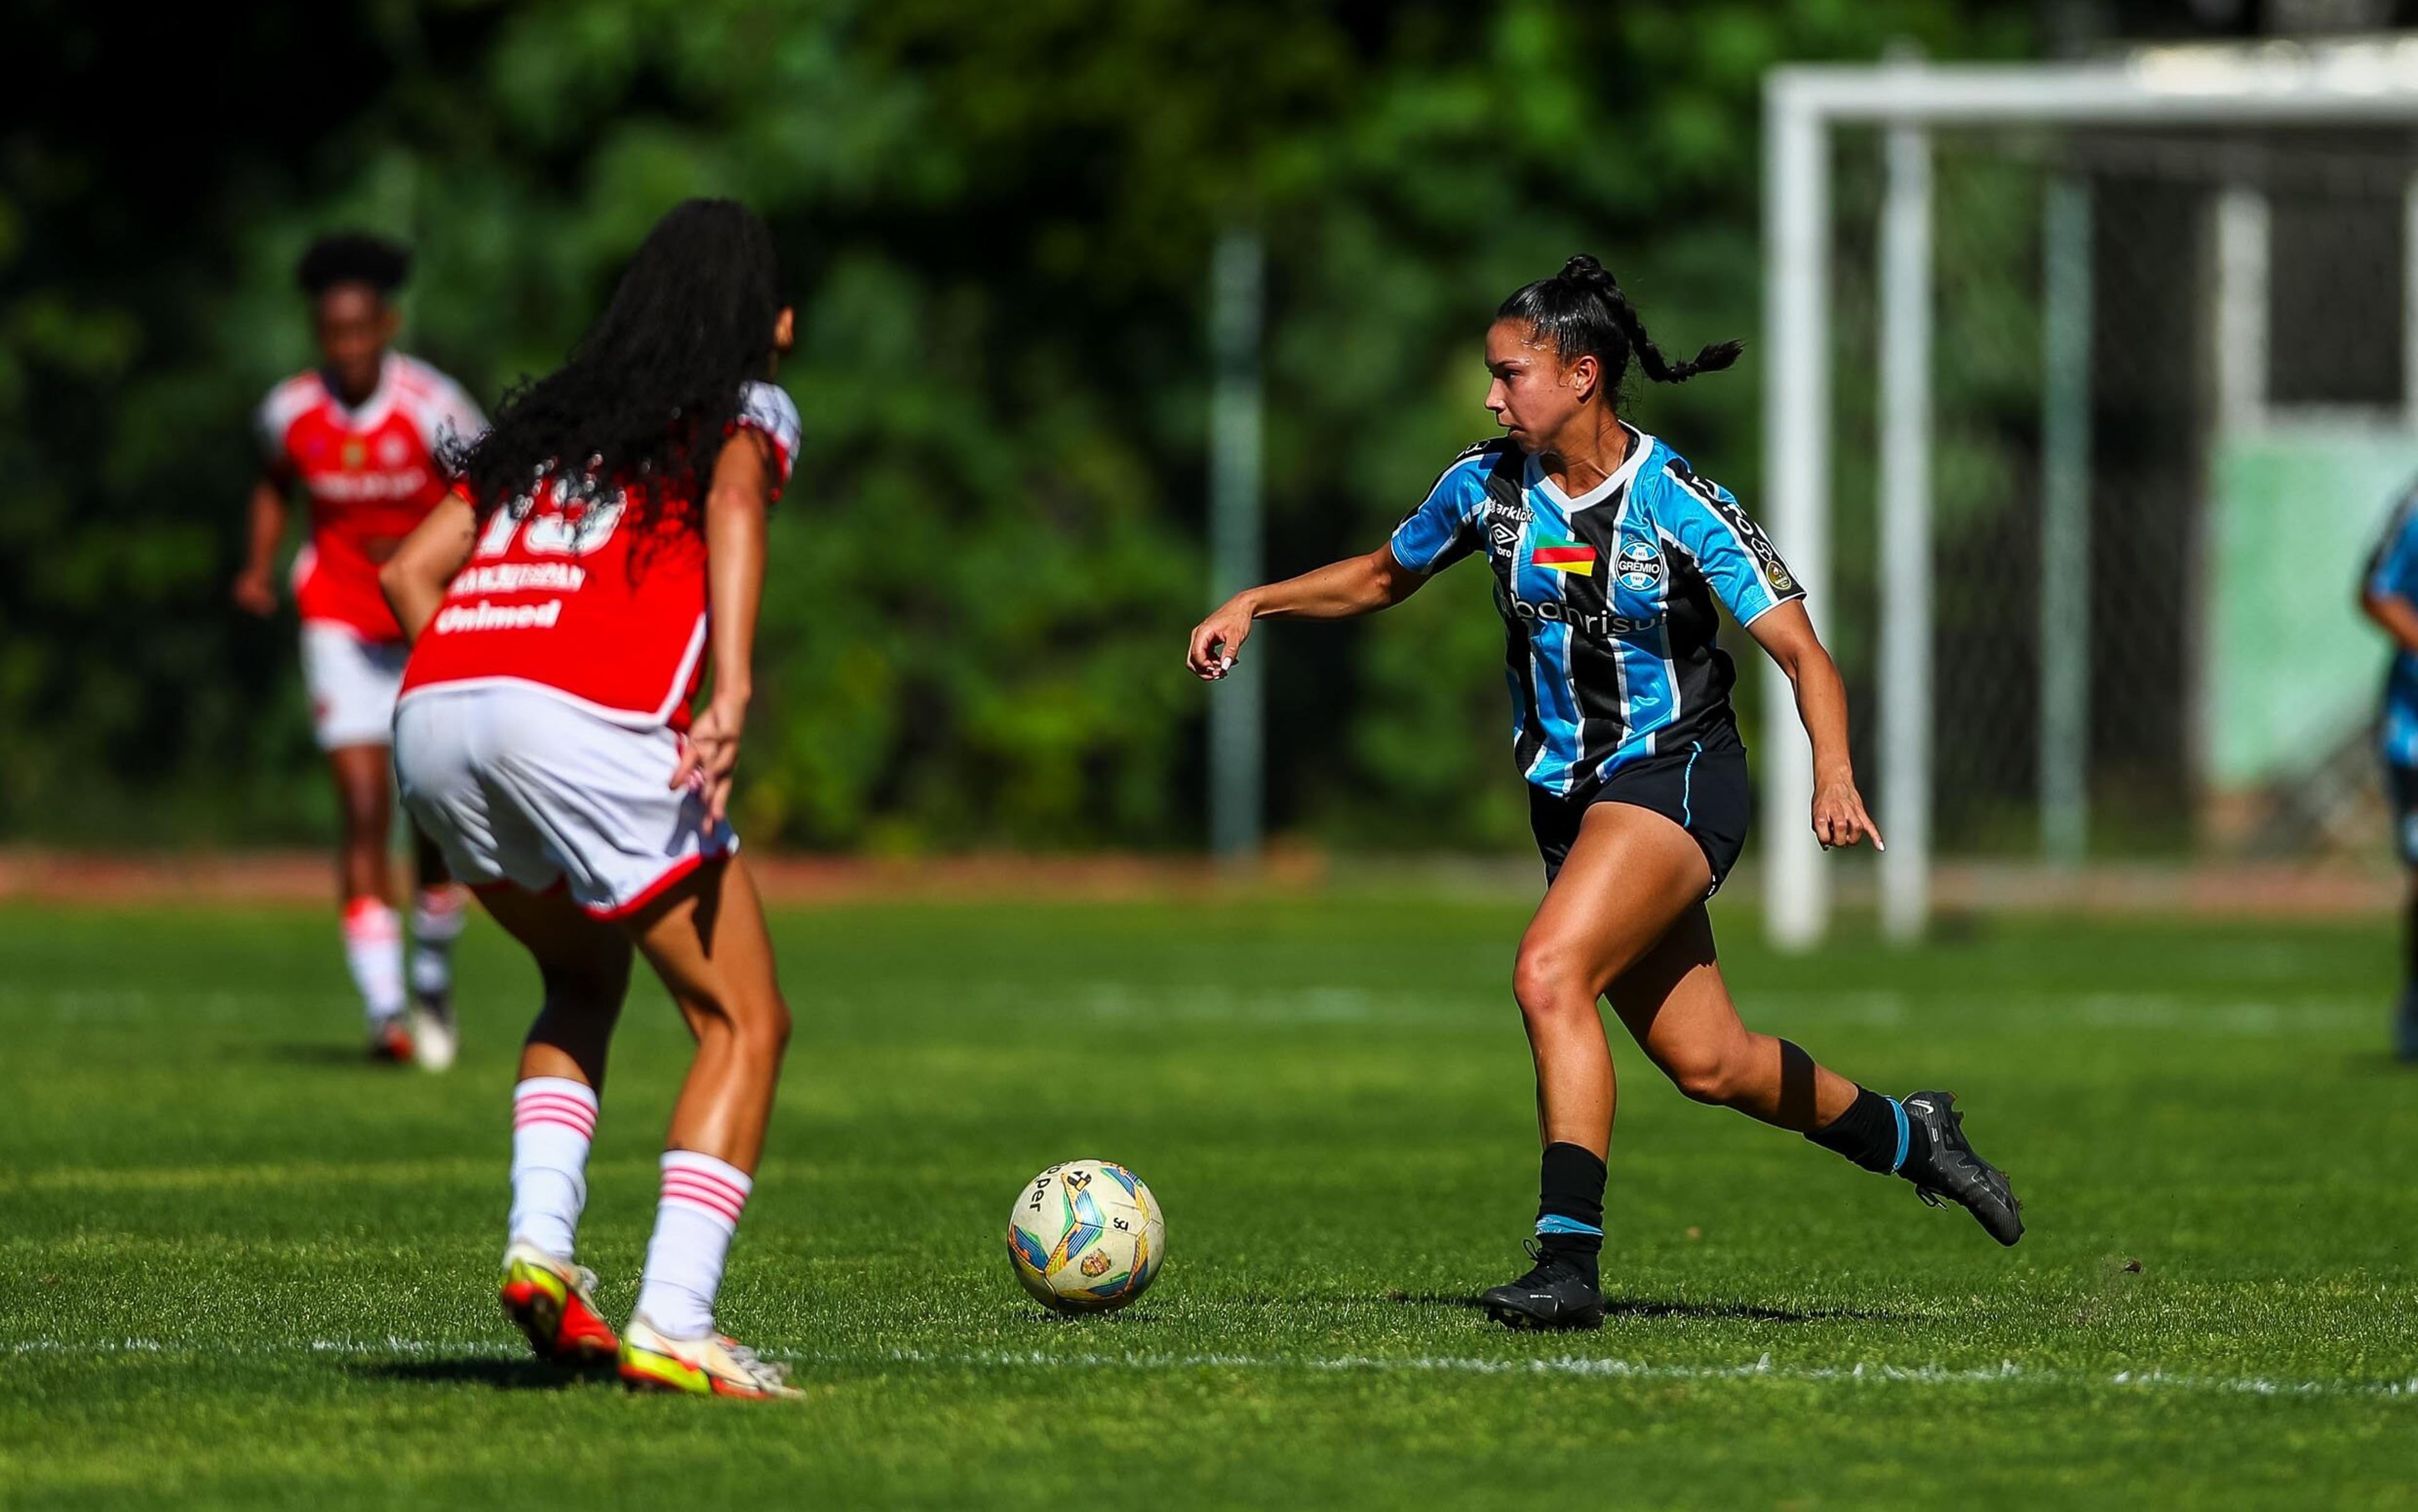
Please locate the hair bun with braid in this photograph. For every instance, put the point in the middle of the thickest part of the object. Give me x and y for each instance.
(1584, 311)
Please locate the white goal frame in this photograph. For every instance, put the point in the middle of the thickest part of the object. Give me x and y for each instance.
(2372, 82)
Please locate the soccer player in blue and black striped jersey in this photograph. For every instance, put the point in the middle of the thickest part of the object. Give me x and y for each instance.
(1610, 557)
(2389, 594)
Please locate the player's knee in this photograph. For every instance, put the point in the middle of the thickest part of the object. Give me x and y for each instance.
(759, 1022)
(592, 990)
(765, 1029)
(1713, 1073)
(1549, 982)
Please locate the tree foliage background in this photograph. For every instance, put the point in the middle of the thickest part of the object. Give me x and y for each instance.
(997, 220)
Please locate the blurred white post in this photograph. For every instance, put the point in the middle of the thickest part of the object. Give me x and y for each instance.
(1237, 760)
(1796, 484)
(2066, 391)
(2362, 82)
(2410, 303)
(2241, 308)
(1905, 691)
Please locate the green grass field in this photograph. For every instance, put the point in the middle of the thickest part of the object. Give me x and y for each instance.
(238, 1267)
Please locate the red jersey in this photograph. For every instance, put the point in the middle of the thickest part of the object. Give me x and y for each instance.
(600, 600)
(373, 474)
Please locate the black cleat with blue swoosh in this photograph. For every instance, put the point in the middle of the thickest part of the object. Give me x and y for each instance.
(1944, 1168)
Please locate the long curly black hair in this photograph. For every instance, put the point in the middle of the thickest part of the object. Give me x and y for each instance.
(654, 386)
(1581, 309)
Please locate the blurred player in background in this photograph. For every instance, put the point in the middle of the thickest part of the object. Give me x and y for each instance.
(1609, 554)
(2389, 594)
(558, 601)
(369, 435)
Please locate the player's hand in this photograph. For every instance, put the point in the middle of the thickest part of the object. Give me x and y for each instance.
(1839, 817)
(254, 594)
(709, 754)
(1217, 641)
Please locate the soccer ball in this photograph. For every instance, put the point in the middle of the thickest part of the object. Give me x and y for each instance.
(1086, 1236)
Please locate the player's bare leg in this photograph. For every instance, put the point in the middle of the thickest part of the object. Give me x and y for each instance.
(707, 941)
(1678, 1008)
(1675, 1003)
(584, 967)
(372, 930)
(1618, 890)
(439, 908)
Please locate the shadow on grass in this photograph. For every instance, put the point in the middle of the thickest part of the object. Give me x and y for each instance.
(313, 1053)
(2380, 1064)
(503, 1375)
(1646, 1307)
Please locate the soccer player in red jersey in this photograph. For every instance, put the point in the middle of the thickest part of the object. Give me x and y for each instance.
(367, 436)
(606, 543)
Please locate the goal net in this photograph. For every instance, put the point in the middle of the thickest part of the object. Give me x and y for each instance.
(2091, 387)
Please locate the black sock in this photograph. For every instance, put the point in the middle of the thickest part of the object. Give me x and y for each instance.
(1570, 1205)
(1873, 1133)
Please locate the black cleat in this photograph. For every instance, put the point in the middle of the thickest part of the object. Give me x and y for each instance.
(1944, 1168)
(1556, 1294)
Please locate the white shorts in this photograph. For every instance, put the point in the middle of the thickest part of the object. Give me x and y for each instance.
(352, 684)
(519, 787)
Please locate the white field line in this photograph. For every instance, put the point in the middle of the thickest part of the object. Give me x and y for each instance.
(2168, 1011)
(1145, 1004)
(1762, 1369)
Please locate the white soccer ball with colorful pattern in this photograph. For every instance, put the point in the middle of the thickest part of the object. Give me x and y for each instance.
(1086, 1236)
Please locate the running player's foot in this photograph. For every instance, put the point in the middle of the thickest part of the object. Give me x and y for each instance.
(1554, 1294)
(553, 1303)
(434, 1037)
(1944, 1168)
(714, 1366)
(389, 1041)
(2405, 1028)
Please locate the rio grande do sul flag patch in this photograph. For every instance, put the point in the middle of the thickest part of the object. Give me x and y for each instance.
(1564, 557)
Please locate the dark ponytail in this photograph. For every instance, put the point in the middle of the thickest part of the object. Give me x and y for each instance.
(1583, 311)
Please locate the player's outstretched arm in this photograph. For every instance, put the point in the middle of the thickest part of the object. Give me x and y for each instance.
(1786, 635)
(414, 578)
(1339, 591)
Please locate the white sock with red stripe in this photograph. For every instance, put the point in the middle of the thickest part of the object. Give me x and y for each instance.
(554, 1118)
(374, 950)
(437, 916)
(702, 1199)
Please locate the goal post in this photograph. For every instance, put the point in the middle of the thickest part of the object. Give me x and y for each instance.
(2204, 111)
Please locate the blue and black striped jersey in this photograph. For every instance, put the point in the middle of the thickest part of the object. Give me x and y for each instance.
(1607, 600)
(2392, 573)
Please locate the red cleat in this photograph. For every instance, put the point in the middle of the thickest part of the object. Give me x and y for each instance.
(391, 1042)
(553, 1303)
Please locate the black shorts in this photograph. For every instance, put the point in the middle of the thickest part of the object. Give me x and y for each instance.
(1702, 787)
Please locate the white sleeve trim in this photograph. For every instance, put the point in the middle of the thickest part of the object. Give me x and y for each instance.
(768, 409)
